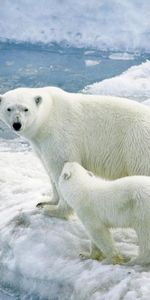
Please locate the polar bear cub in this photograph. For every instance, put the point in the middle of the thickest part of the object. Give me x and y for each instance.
(101, 205)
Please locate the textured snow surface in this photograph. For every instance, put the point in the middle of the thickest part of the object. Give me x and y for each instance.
(106, 24)
(133, 83)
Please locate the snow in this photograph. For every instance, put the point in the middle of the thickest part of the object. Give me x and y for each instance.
(40, 255)
(106, 24)
(122, 56)
(90, 63)
(133, 83)
(147, 102)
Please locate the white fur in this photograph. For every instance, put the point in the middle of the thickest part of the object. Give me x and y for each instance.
(101, 205)
(109, 136)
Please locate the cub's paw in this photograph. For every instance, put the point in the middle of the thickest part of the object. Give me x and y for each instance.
(115, 260)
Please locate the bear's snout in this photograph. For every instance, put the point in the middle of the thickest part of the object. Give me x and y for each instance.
(17, 126)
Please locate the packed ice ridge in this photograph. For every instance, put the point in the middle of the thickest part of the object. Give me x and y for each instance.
(107, 24)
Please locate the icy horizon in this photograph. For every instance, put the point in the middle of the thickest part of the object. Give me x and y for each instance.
(105, 25)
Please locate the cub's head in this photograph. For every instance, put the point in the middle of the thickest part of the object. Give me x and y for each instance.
(73, 182)
(73, 170)
(23, 109)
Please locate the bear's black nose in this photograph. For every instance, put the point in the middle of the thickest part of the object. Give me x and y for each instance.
(17, 126)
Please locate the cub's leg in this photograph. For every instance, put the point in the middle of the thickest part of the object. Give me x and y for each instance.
(102, 238)
(95, 253)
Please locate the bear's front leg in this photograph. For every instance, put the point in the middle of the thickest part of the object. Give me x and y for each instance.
(61, 210)
(95, 253)
(54, 199)
(55, 207)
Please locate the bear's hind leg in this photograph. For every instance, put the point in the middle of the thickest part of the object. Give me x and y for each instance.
(143, 233)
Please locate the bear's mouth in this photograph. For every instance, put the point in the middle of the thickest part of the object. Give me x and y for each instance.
(17, 126)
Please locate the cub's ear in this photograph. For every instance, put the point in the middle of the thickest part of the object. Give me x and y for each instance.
(66, 175)
(0, 99)
(38, 99)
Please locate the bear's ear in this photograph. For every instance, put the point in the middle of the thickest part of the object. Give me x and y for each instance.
(66, 175)
(0, 99)
(38, 99)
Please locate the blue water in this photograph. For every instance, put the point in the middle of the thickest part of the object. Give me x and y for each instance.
(37, 66)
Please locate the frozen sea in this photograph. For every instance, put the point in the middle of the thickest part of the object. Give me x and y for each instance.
(78, 46)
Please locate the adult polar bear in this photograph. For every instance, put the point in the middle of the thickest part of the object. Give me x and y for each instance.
(109, 136)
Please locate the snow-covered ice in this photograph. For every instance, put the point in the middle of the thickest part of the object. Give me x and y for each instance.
(133, 83)
(147, 102)
(122, 56)
(90, 62)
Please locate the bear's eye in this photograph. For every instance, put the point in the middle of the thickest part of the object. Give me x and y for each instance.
(26, 109)
(38, 99)
(9, 109)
